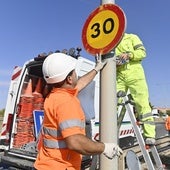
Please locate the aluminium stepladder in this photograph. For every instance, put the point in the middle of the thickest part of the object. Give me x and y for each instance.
(145, 150)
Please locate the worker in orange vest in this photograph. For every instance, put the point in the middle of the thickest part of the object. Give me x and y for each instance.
(63, 128)
(167, 124)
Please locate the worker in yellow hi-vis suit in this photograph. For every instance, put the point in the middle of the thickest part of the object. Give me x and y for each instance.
(130, 76)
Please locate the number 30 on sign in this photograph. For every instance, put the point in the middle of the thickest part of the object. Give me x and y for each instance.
(103, 29)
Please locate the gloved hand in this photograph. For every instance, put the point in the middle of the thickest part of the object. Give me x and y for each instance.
(122, 59)
(111, 150)
(99, 63)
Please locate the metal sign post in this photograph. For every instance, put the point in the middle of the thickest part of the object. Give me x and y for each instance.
(101, 33)
(108, 112)
(108, 106)
(107, 1)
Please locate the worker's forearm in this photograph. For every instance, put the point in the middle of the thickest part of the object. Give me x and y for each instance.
(138, 55)
(86, 79)
(84, 145)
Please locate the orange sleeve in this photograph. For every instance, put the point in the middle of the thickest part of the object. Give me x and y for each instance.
(69, 111)
(167, 123)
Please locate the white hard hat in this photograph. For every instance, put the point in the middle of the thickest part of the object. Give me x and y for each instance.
(57, 66)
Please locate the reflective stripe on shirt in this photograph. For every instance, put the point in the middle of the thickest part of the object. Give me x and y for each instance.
(51, 132)
(138, 46)
(54, 144)
(72, 123)
(57, 133)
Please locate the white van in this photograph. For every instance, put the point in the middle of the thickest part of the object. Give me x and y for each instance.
(24, 112)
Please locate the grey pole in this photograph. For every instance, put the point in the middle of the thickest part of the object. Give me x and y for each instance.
(107, 1)
(108, 108)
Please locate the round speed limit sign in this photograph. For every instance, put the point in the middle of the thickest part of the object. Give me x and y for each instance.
(103, 29)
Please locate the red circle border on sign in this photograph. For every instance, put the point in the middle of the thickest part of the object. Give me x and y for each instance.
(122, 20)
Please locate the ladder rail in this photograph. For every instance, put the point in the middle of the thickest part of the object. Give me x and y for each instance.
(138, 136)
(156, 158)
(122, 111)
(144, 150)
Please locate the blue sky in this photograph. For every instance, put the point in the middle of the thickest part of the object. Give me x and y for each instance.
(35, 26)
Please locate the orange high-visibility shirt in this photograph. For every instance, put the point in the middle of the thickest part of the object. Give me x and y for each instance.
(167, 123)
(62, 113)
